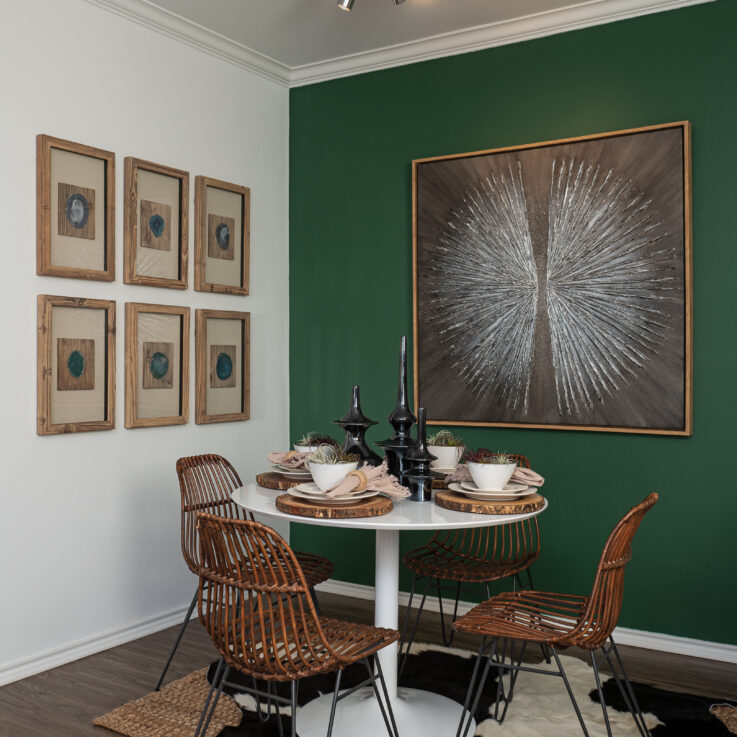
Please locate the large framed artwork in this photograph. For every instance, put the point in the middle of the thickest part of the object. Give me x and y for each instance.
(76, 365)
(156, 365)
(552, 284)
(75, 210)
(222, 236)
(156, 223)
(222, 354)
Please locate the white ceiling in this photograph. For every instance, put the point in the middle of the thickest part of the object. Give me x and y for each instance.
(303, 41)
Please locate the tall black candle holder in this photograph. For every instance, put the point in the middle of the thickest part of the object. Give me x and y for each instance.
(355, 424)
(419, 478)
(401, 419)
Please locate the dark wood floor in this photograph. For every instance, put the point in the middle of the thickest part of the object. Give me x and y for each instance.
(62, 702)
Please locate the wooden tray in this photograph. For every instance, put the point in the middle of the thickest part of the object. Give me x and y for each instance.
(273, 480)
(374, 506)
(459, 503)
(439, 484)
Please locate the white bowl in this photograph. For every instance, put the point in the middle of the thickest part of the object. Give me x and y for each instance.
(305, 448)
(328, 475)
(491, 476)
(447, 455)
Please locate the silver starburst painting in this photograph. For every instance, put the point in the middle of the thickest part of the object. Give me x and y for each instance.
(552, 284)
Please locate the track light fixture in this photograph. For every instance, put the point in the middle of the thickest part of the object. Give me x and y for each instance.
(345, 5)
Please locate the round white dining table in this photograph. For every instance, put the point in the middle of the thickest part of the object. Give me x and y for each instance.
(417, 713)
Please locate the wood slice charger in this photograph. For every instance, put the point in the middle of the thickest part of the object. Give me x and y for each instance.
(272, 480)
(374, 506)
(460, 503)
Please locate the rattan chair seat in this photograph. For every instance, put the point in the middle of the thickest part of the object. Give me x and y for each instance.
(315, 568)
(449, 564)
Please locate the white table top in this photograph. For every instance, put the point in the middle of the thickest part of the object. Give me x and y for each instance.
(406, 515)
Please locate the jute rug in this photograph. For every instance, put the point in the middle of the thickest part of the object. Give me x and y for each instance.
(541, 707)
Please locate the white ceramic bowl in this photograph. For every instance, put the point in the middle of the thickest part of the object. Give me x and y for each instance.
(491, 476)
(305, 448)
(447, 455)
(328, 475)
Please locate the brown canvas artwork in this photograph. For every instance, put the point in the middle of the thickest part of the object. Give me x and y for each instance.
(155, 225)
(76, 211)
(221, 237)
(222, 366)
(158, 364)
(75, 364)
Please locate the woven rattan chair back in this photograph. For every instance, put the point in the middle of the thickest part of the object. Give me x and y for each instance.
(258, 610)
(206, 483)
(516, 542)
(605, 603)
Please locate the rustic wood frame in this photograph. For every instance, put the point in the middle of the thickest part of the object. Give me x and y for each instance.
(130, 230)
(200, 238)
(44, 216)
(201, 361)
(132, 310)
(44, 373)
(687, 429)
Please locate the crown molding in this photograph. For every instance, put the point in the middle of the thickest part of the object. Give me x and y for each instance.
(192, 34)
(548, 23)
(538, 25)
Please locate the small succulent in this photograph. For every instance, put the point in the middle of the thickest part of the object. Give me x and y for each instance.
(330, 454)
(445, 437)
(486, 456)
(311, 438)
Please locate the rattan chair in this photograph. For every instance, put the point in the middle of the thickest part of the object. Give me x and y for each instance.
(559, 621)
(470, 557)
(206, 483)
(258, 611)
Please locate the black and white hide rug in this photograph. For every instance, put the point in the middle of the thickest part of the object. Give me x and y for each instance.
(541, 706)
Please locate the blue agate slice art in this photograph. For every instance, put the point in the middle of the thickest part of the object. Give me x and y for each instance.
(75, 364)
(223, 366)
(77, 210)
(222, 236)
(159, 365)
(157, 225)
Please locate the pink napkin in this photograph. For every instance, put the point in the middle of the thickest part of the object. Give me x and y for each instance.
(520, 476)
(291, 459)
(378, 478)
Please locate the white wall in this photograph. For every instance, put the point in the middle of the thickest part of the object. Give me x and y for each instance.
(89, 523)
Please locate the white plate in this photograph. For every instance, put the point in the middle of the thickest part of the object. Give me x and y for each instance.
(510, 488)
(444, 470)
(492, 496)
(294, 473)
(311, 492)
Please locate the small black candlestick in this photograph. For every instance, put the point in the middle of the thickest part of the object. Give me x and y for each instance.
(355, 424)
(419, 478)
(401, 419)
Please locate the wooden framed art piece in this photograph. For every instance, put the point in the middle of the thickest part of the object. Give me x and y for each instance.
(156, 224)
(76, 365)
(222, 354)
(75, 210)
(222, 236)
(552, 284)
(156, 365)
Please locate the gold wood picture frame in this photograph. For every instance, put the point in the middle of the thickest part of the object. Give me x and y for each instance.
(75, 210)
(222, 236)
(76, 365)
(552, 284)
(222, 355)
(156, 224)
(156, 365)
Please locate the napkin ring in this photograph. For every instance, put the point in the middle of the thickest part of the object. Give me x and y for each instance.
(362, 480)
(290, 454)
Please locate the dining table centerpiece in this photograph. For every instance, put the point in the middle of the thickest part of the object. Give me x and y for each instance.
(330, 465)
(447, 448)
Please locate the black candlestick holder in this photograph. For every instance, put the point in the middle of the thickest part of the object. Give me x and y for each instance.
(355, 424)
(401, 419)
(419, 478)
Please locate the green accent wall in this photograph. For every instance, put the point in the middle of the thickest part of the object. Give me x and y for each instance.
(351, 146)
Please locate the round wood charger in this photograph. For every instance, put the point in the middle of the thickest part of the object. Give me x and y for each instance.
(374, 506)
(460, 503)
(272, 480)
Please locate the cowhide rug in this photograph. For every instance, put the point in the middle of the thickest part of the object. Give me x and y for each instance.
(541, 707)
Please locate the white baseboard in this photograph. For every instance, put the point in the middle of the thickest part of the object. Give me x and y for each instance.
(623, 635)
(43, 661)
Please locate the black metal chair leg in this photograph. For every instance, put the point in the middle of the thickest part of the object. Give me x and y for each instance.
(601, 693)
(334, 704)
(407, 613)
(215, 678)
(178, 640)
(368, 662)
(514, 674)
(408, 645)
(213, 706)
(471, 683)
(386, 696)
(570, 692)
(295, 686)
(442, 614)
(479, 690)
(636, 712)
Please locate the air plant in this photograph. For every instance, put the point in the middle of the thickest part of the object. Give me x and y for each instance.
(312, 439)
(331, 455)
(445, 438)
(482, 455)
